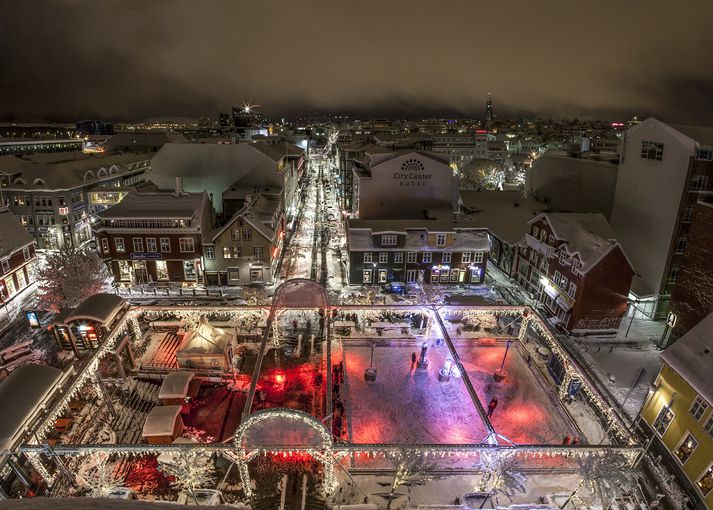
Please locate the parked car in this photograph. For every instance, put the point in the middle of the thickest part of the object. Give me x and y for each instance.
(394, 288)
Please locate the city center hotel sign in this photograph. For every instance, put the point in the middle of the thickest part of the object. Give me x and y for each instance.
(412, 173)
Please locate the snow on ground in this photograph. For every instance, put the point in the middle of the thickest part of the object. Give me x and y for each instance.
(444, 491)
(405, 405)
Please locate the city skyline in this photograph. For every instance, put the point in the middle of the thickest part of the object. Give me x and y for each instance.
(131, 61)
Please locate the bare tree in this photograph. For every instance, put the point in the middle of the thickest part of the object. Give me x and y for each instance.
(605, 476)
(500, 476)
(482, 173)
(69, 276)
(255, 296)
(191, 470)
(102, 478)
(411, 466)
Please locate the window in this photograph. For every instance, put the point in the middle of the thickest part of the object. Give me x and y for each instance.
(185, 245)
(366, 276)
(563, 282)
(705, 482)
(427, 257)
(119, 244)
(557, 277)
(706, 154)
(440, 239)
(383, 276)
(576, 264)
(572, 291)
(235, 234)
(398, 257)
(26, 253)
(563, 258)
(699, 182)
(680, 245)
(367, 257)
(247, 234)
(226, 252)
(138, 244)
(446, 257)
(383, 257)
(709, 425)
(5, 265)
(552, 240)
(535, 231)
(698, 408)
(652, 150)
(673, 275)
(411, 257)
(151, 245)
(105, 245)
(209, 252)
(237, 252)
(257, 252)
(478, 257)
(165, 244)
(687, 214)
(388, 240)
(466, 257)
(663, 420)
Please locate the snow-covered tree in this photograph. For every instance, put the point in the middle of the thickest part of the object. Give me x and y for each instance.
(101, 479)
(255, 296)
(191, 469)
(606, 477)
(69, 276)
(481, 173)
(411, 466)
(500, 476)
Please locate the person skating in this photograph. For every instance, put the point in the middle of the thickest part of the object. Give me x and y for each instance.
(491, 407)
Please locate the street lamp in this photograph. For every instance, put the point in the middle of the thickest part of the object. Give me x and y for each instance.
(499, 374)
(370, 373)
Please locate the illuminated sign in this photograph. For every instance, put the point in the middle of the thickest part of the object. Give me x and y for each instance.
(671, 319)
(33, 320)
(64, 211)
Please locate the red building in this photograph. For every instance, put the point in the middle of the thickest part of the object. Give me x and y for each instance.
(577, 270)
(156, 237)
(17, 256)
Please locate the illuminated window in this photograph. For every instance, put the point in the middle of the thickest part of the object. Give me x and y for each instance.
(366, 276)
(663, 420)
(119, 244)
(237, 252)
(652, 151)
(185, 245)
(165, 244)
(705, 482)
(686, 448)
(226, 252)
(388, 240)
(105, 246)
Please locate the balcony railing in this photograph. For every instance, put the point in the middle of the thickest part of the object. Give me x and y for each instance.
(542, 248)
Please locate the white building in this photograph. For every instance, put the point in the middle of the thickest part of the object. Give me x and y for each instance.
(403, 184)
(661, 171)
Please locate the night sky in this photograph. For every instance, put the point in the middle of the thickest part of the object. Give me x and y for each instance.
(132, 60)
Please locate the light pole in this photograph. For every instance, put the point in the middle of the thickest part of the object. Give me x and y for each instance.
(499, 374)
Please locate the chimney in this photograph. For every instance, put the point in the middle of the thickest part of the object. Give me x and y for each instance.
(179, 186)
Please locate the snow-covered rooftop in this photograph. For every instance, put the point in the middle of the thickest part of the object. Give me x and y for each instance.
(99, 307)
(161, 421)
(175, 385)
(589, 236)
(206, 339)
(692, 357)
(505, 214)
(13, 236)
(157, 206)
(21, 394)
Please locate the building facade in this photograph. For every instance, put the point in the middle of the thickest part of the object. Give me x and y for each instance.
(692, 297)
(575, 267)
(155, 238)
(17, 256)
(382, 251)
(662, 170)
(677, 415)
(57, 196)
(247, 249)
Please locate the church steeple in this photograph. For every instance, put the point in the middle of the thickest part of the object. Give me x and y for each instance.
(489, 112)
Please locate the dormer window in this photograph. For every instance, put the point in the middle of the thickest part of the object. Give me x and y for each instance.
(39, 182)
(440, 239)
(388, 240)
